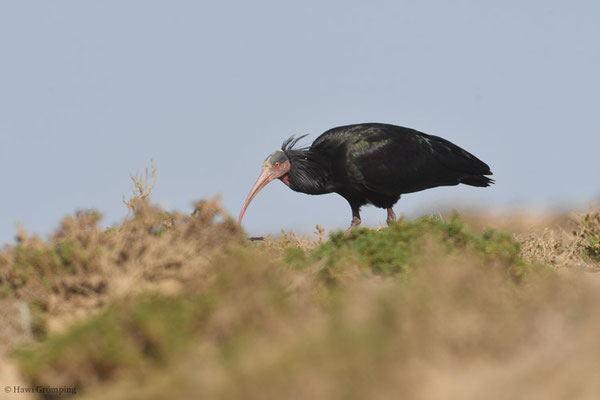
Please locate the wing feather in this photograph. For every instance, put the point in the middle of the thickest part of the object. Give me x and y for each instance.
(392, 160)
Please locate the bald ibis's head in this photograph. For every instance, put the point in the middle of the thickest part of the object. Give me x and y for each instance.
(277, 165)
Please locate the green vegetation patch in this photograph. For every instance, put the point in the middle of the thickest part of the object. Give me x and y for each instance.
(590, 232)
(405, 244)
(121, 340)
(41, 260)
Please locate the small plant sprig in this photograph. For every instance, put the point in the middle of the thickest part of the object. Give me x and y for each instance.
(141, 189)
(588, 234)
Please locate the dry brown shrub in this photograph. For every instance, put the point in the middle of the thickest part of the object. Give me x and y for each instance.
(566, 247)
(81, 267)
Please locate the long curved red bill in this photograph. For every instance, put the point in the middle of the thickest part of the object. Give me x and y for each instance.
(265, 177)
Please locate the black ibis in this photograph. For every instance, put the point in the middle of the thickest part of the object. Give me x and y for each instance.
(370, 163)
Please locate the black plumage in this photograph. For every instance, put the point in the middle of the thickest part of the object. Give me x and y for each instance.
(376, 163)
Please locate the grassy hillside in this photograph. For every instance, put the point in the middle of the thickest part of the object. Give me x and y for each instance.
(168, 305)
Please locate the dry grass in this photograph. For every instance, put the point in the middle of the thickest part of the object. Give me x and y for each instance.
(184, 306)
(575, 244)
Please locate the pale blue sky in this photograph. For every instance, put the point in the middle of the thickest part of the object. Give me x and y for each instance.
(91, 90)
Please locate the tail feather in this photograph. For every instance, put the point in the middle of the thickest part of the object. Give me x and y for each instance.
(476, 180)
(457, 158)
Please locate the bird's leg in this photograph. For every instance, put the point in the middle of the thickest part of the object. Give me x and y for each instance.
(355, 220)
(391, 217)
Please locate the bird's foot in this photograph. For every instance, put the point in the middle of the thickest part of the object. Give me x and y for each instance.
(355, 223)
(391, 216)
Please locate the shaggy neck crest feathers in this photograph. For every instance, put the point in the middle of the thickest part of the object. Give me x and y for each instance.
(306, 174)
(289, 144)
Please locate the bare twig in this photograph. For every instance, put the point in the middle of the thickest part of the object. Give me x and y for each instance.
(320, 232)
(141, 190)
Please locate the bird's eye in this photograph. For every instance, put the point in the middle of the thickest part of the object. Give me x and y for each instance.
(276, 164)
